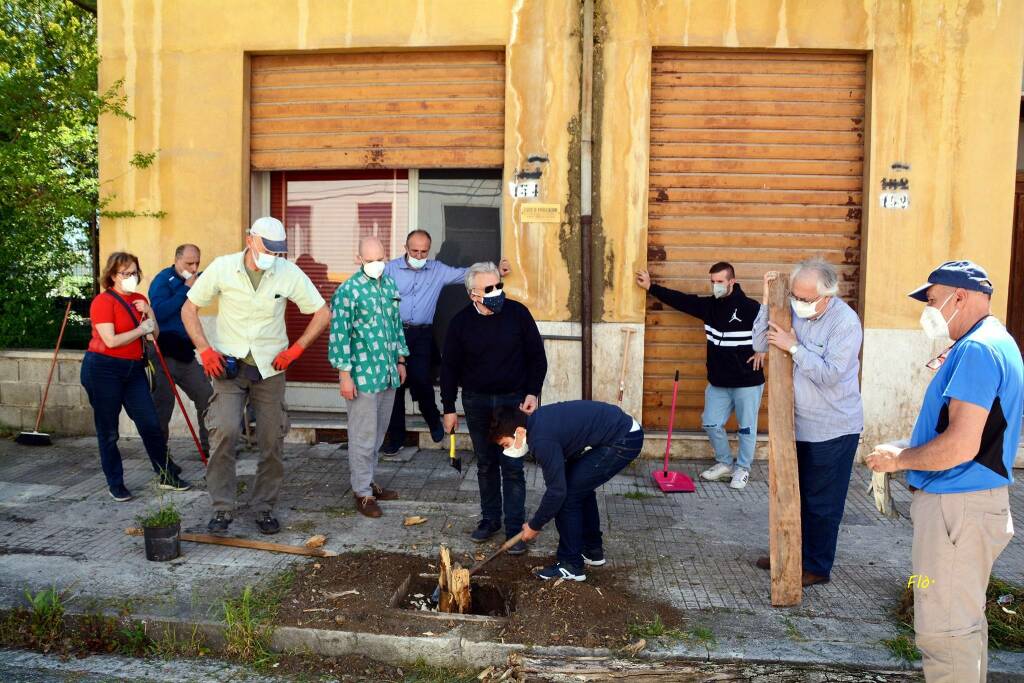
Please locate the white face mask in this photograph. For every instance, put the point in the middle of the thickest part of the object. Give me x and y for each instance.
(514, 451)
(804, 309)
(719, 289)
(416, 263)
(186, 275)
(933, 323)
(373, 269)
(130, 284)
(264, 260)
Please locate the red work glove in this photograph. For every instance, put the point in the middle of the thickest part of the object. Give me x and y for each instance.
(213, 362)
(288, 356)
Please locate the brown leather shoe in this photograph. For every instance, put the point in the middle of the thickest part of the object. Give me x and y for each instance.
(764, 563)
(367, 505)
(810, 579)
(383, 494)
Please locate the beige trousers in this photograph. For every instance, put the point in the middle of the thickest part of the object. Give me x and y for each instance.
(957, 538)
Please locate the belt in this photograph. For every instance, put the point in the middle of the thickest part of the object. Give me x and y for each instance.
(410, 326)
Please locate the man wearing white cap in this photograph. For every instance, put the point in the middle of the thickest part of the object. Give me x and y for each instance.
(959, 466)
(250, 359)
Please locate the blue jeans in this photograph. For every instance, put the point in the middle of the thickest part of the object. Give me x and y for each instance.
(824, 469)
(501, 478)
(578, 520)
(113, 383)
(420, 341)
(719, 403)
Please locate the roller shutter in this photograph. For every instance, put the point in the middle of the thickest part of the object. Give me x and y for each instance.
(756, 159)
(377, 110)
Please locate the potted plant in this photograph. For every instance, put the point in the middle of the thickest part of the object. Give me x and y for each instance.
(161, 530)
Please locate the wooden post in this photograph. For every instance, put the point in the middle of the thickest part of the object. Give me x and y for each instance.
(783, 482)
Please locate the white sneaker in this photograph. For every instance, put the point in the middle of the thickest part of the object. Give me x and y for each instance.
(716, 472)
(739, 478)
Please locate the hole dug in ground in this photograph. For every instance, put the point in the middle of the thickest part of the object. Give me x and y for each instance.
(490, 601)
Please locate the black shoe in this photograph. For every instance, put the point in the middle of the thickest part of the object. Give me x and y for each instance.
(519, 548)
(120, 493)
(437, 432)
(388, 448)
(484, 530)
(172, 482)
(266, 522)
(560, 571)
(593, 558)
(220, 522)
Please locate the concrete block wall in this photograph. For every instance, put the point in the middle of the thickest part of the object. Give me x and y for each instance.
(22, 381)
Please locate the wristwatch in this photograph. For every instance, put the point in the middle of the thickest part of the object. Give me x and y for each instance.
(793, 349)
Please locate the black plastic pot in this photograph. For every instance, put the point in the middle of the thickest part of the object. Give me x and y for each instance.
(162, 543)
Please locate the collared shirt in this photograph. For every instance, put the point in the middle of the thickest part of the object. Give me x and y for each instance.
(826, 386)
(984, 368)
(366, 336)
(252, 319)
(167, 294)
(421, 287)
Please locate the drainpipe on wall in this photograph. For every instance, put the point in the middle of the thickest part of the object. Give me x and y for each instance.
(586, 172)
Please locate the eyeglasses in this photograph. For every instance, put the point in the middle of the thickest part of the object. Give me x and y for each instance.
(490, 288)
(935, 363)
(129, 274)
(805, 301)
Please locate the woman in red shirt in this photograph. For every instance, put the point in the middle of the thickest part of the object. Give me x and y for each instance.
(114, 375)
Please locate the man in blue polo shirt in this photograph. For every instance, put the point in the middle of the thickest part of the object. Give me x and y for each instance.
(420, 281)
(959, 465)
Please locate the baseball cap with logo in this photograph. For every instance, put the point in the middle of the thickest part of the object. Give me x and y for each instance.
(960, 274)
(272, 232)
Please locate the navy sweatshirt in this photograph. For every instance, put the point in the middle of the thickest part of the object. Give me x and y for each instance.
(167, 294)
(557, 435)
(492, 354)
(728, 327)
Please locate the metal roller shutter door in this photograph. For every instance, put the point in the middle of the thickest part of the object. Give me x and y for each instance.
(756, 159)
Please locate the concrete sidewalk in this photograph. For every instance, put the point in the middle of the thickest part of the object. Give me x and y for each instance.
(696, 551)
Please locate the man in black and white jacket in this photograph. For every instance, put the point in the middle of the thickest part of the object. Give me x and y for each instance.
(735, 377)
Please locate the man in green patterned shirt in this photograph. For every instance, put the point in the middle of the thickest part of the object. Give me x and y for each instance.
(367, 345)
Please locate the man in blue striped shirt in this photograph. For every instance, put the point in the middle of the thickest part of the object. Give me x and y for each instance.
(420, 281)
(825, 345)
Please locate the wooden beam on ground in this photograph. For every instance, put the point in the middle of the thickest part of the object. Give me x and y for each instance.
(247, 543)
(784, 540)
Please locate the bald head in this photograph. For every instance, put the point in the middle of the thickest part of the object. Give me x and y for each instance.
(370, 249)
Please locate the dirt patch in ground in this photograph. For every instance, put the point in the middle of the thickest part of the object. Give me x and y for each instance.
(595, 613)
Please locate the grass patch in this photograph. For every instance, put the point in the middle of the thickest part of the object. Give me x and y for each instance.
(159, 518)
(338, 511)
(249, 621)
(902, 647)
(1004, 609)
(638, 495)
(306, 526)
(792, 632)
(702, 635)
(173, 644)
(655, 628)
(421, 672)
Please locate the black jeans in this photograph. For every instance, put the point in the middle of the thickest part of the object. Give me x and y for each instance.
(578, 520)
(501, 478)
(824, 470)
(113, 383)
(420, 341)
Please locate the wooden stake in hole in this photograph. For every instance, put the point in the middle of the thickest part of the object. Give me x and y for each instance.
(783, 482)
(453, 581)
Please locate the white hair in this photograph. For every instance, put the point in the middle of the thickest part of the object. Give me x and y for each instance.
(480, 269)
(825, 274)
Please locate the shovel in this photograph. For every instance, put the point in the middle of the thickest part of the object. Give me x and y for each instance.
(667, 480)
(479, 565)
(455, 462)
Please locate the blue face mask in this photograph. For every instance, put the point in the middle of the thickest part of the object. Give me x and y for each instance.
(495, 300)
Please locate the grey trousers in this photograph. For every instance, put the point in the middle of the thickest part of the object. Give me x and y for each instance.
(193, 383)
(368, 418)
(224, 419)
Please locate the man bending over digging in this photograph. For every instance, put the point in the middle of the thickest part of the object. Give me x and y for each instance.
(579, 445)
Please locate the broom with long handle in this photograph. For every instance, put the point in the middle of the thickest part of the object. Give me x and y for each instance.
(36, 437)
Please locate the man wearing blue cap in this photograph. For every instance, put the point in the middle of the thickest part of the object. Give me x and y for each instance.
(959, 466)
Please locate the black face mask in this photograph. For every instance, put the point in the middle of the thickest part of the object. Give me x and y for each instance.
(494, 302)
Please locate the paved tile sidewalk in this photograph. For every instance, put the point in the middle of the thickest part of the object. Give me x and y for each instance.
(59, 527)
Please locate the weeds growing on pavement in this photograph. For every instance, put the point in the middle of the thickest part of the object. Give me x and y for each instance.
(421, 672)
(902, 647)
(173, 644)
(249, 621)
(638, 495)
(655, 628)
(134, 640)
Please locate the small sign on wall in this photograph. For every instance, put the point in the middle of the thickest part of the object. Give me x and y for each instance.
(540, 213)
(525, 189)
(895, 200)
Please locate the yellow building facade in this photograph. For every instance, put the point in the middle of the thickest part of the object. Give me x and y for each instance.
(881, 135)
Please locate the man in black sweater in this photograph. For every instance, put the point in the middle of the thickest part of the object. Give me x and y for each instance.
(735, 377)
(493, 350)
(579, 445)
